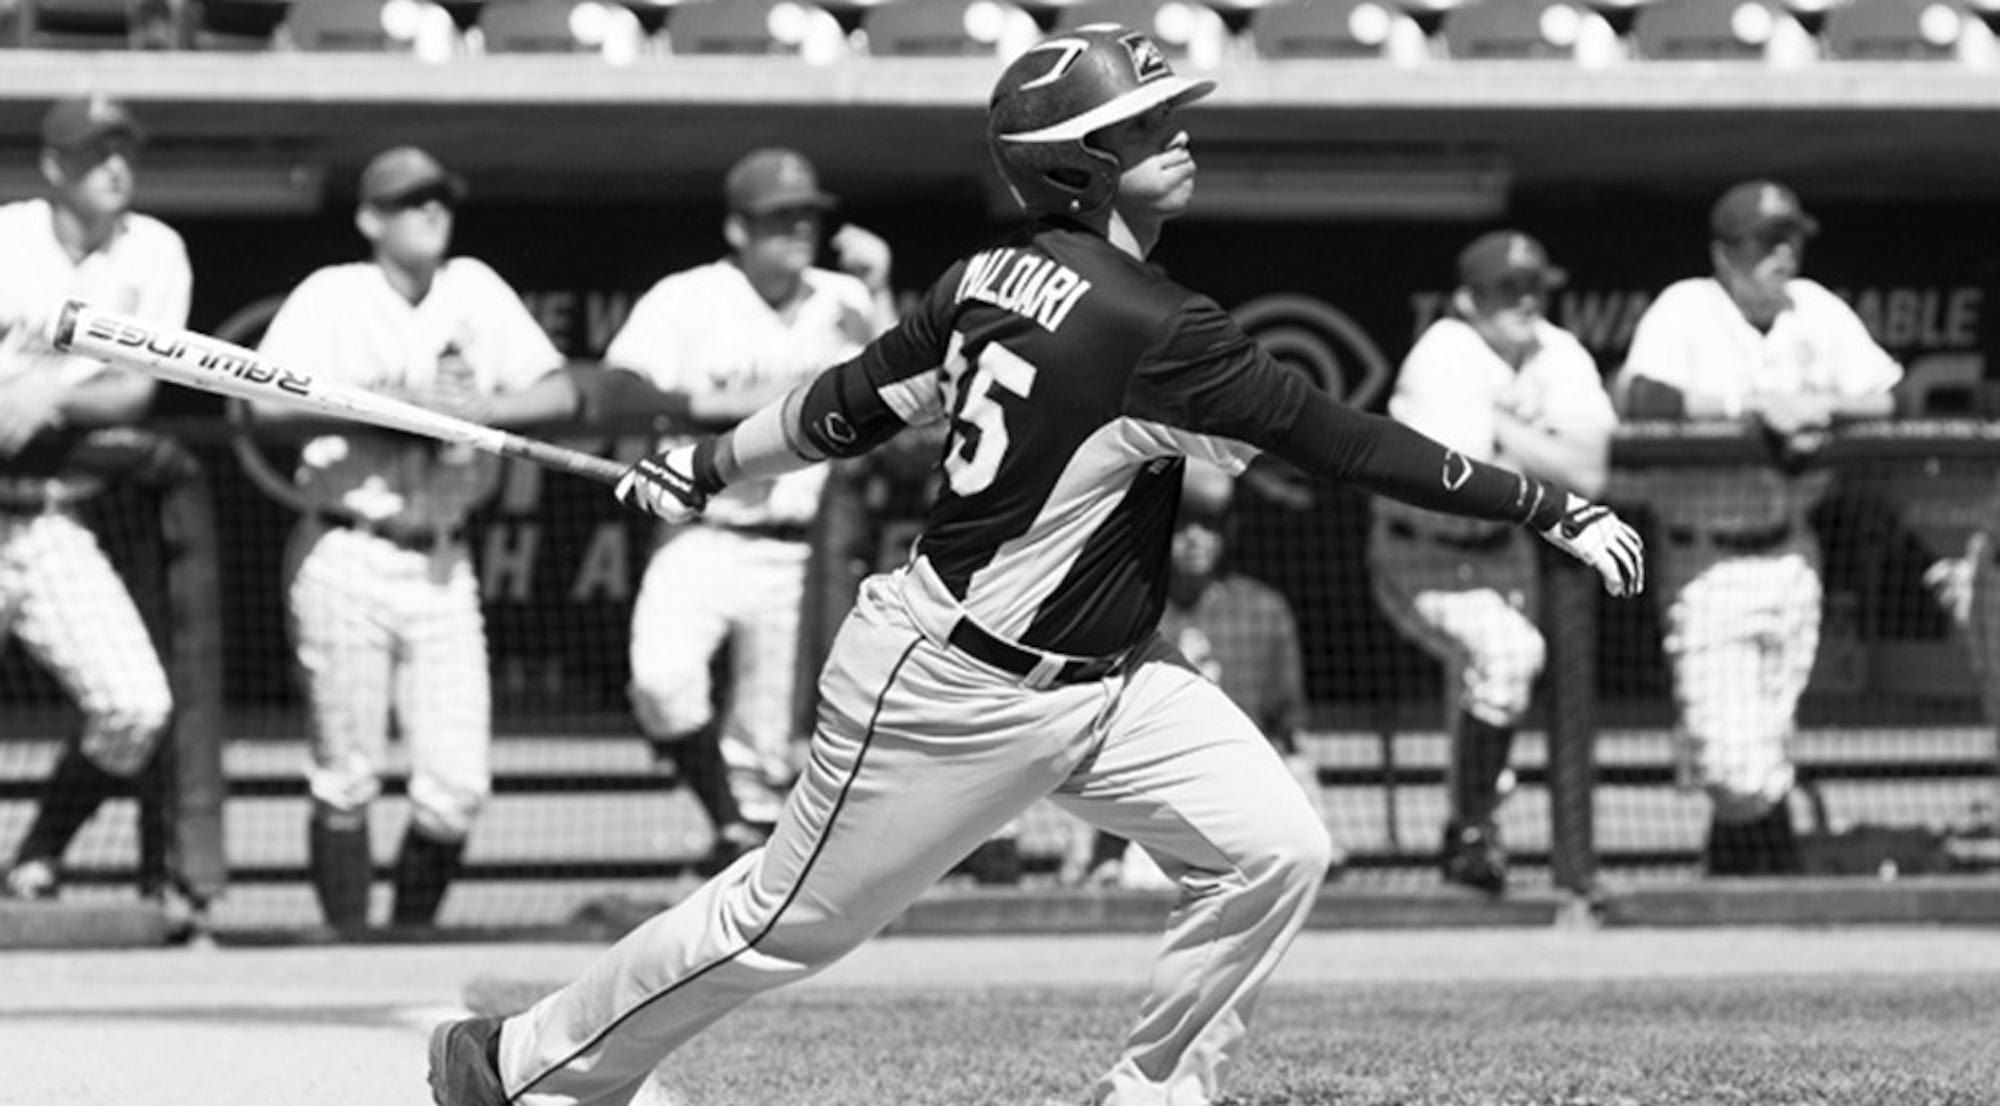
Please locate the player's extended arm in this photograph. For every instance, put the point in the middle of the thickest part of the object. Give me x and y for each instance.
(1336, 442)
(837, 414)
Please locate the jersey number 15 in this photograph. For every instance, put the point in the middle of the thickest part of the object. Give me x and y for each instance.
(978, 422)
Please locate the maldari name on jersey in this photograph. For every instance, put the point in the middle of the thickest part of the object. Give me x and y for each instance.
(1030, 285)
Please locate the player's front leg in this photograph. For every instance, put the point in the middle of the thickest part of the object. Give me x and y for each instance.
(1186, 775)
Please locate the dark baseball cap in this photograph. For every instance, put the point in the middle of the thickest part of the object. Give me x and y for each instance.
(79, 121)
(1499, 255)
(403, 171)
(772, 179)
(1755, 207)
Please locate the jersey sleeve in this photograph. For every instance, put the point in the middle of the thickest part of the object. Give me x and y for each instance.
(302, 335)
(1861, 366)
(521, 351)
(1429, 394)
(165, 296)
(894, 382)
(1208, 376)
(648, 342)
(1575, 401)
(1659, 350)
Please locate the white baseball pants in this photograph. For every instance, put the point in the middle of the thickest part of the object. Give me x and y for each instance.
(920, 754)
(60, 595)
(1742, 633)
(705, 586)
(379, 628)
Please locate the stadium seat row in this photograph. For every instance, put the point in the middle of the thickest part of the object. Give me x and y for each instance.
(1587, 32)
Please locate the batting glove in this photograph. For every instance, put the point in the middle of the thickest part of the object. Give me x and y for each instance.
(663, 484)
(1591, 533)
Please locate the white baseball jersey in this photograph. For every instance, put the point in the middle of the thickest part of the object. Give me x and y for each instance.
(347, 323)
(1452, 384)
(142, 271)
(706, 331)
(1695, 338)
(58, 592)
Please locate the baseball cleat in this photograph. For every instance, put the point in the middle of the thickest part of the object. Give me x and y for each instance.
(31, 880)
(465, 1063)
(1472, 857)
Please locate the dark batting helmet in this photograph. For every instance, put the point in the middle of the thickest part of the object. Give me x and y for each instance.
(1050, 100)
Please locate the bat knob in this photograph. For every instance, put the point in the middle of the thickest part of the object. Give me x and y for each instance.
(65, 328)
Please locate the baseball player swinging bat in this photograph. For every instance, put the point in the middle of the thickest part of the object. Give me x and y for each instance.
(213, 365)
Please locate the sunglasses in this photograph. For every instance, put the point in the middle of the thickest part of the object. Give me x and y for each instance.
(422, 197)
(1514, 289)
(1766, 241)
(783, 219)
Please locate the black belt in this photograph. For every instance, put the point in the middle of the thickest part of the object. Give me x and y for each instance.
(1739, 541)
(775, 531)
(1009, 657)
(416, 541)
(1471, 543)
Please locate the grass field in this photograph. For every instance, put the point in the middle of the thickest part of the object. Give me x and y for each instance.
(1888, 1016)
(1756, 1042)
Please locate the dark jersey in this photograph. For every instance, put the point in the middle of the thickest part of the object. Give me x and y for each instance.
(1075, 378)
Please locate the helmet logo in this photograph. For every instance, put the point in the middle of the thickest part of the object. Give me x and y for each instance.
(1069, 49)
(1148, 63)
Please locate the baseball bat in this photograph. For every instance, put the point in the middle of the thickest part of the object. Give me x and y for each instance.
(213, 365)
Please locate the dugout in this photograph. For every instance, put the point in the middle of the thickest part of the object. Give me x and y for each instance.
(1335, 195)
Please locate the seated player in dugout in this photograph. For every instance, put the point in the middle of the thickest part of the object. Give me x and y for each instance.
(1496, 380)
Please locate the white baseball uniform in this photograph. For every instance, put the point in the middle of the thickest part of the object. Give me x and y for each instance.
(1741, 571)
(58, 592)
(739, 575)
(385, 609)
(1464, 590)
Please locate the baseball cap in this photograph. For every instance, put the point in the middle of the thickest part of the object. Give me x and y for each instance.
(1757, 206)
(1502, 254)
(403, 171)
(771, 179)
(77, 122)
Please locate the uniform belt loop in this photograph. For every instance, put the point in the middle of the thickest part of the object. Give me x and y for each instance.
(1044, 674)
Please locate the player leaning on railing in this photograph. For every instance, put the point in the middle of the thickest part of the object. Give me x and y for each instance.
(1016, 656)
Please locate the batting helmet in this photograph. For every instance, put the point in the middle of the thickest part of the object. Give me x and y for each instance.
(1050, 100)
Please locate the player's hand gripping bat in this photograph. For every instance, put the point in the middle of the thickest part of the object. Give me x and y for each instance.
(213, 365)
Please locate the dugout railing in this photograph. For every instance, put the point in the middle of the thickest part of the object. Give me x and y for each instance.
(1897, 749)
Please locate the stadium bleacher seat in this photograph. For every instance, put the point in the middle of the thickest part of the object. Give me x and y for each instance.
(1716, 30)
(235, 24)
(1900, 30)
(1396, 30)
(948, 28)
(1185, 29)
(784, 27)
(561, 27)
(1514, 29)
(1551, 30)
(370, 27)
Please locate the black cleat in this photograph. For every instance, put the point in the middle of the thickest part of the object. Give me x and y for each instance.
(465, 1063)
(1471, 856)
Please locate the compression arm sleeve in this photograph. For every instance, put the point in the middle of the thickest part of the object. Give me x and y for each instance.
(837, 414)
(1337, 442)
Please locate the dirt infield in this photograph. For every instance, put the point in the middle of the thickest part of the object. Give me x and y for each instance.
(344, 1025)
